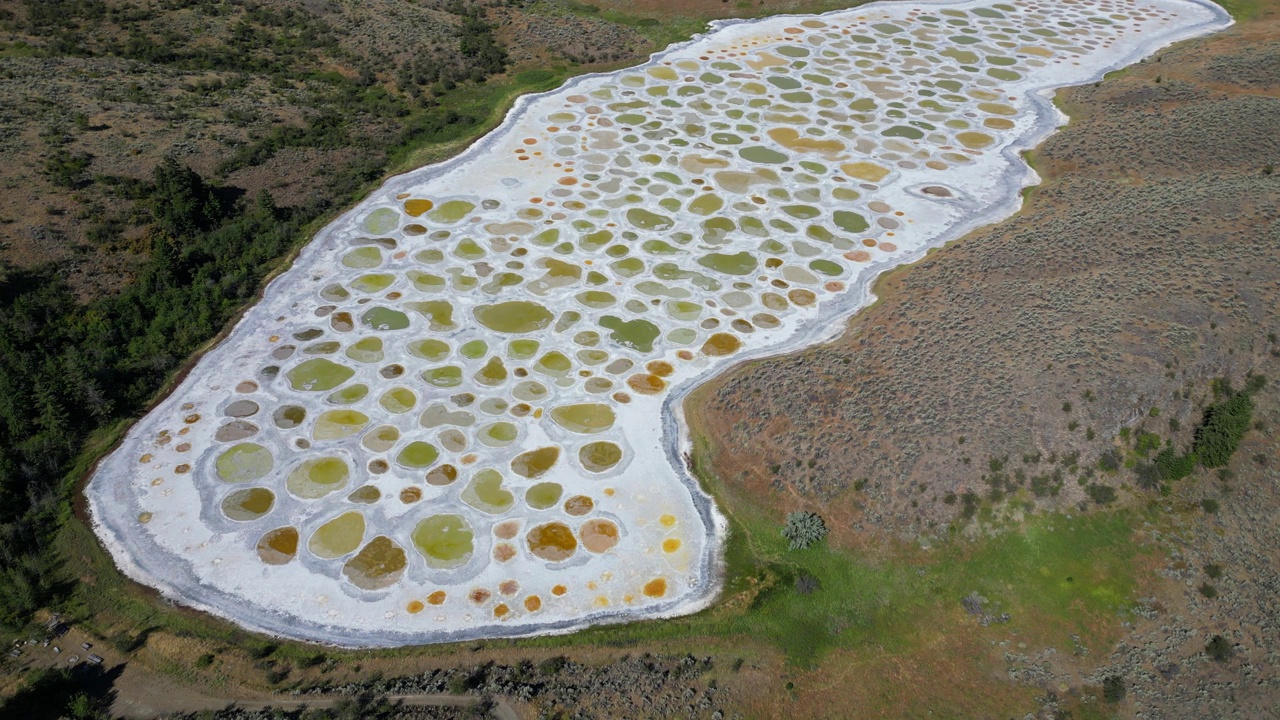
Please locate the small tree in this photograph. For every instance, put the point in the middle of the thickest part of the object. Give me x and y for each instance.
(803, 529)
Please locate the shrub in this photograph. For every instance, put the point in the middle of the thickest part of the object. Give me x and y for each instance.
(1213, 570)
(803, 529)
(1101, 494)
(1219, 648)
(1209, 505)
(552, 666)
(67, 170)
(807, 583)
(1208, 590)
(1113, 689)
(1109, 460)
(1146, 442)
(1172, 466)
(1149, 477)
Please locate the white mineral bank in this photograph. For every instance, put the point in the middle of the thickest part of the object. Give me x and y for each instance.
(178, 552)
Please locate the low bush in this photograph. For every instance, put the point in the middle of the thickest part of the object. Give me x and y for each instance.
(803, 529)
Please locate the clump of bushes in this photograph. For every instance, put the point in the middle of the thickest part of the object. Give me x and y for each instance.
(1225, 424)
(803, 529)
(1216, 438)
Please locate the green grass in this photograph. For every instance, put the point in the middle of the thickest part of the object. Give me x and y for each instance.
(1055, 576)
(490, 100)
(1245, 9)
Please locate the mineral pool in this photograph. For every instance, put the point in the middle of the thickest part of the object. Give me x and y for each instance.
(456, 416)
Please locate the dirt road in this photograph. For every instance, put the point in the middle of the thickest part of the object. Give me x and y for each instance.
(147, 701)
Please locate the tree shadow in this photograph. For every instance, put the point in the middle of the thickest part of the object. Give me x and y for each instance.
(83, 691)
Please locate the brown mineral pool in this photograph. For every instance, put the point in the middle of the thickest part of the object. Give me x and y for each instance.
(289, 416)
(533, 603)
(646, 384)
(670, 545)
(236, 430)
(241, 408)
(444, 541)
(533, 464)
(410, 495)
(598, 535)
(579, 505)
(416, 207)
(378, 565)
(436, 598)
(553, 541)
(720, 344)
(278, 546)
(444, 474)
(338, 537)
(656, 588)
(600, 456)
(365, 495)
(249, 504)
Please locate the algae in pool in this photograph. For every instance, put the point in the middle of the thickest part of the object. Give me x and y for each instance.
(542, 496)
(586, 418)
(516, 316)
(338, 424)
(485, 493)
(248, 504)
(244, 462)
(417, 455)
(444, 541)
(316, 477)
(319, 374)
(637, 334)
(340, 536)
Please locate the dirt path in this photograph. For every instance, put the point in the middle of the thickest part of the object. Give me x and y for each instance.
(144, 698)
(142, 694)
(145, 701)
